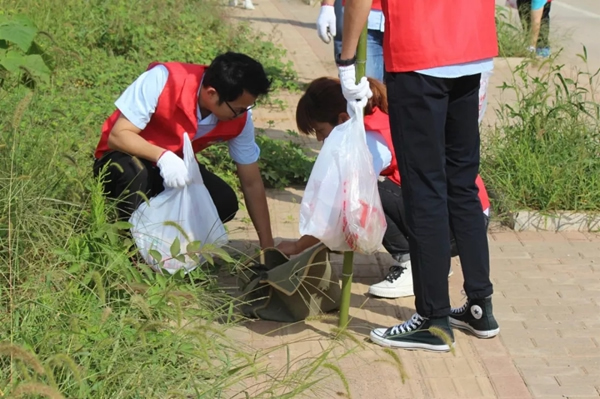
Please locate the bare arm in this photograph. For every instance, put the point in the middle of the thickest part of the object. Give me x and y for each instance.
(327, 2)
(295, 247)
(256, 202)
(356, 13)
(536, 23)
(125, 137)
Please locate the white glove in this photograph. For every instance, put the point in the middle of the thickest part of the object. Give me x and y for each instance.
(173, 170)
(351, 90)
(326, 23)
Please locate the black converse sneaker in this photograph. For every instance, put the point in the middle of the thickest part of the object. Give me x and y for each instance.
(477, 317)
(415, 334)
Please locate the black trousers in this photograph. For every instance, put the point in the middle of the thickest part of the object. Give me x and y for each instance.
(524, 7)
(129, 180)
(436, 136)
(395, 239)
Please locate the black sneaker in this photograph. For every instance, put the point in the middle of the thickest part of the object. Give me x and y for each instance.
(477, 317)
(415, 334)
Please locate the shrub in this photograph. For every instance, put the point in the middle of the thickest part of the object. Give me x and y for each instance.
(544, 153)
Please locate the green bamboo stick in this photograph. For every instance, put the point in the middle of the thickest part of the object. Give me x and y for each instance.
(348, 266)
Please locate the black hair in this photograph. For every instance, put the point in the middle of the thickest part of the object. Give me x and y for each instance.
(231, 74)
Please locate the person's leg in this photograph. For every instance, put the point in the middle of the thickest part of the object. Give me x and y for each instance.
(375, 68)
(128, 180)
(339, 26)
(462, 167)
(466, 215)
(544, 38)
(394, 239)
(524, 8)
(222, 194)
(398, 282)
(417, 110)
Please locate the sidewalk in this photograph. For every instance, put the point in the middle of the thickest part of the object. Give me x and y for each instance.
(547, 287)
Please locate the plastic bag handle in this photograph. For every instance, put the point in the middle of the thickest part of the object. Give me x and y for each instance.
(189, 158)
(356, 110)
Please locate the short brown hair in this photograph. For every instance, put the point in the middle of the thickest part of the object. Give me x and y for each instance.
(323, 102)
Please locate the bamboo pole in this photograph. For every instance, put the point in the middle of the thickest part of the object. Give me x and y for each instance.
(348, 265)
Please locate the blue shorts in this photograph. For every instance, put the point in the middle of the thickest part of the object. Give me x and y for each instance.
(537, 4)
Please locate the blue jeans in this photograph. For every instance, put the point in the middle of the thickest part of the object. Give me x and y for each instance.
(375, 67)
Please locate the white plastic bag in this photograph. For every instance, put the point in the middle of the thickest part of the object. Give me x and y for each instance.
(341, 204)
(512, 4)
(155, 223)
(483, 89)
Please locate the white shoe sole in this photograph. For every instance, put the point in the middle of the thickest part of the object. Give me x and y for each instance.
(407, 345)
(391, 293)
(479, 334)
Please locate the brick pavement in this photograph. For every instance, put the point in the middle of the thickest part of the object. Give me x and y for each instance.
(547, 289)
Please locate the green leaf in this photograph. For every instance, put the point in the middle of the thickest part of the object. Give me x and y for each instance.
(12, 61)
(35, 65)
(175, 248)
(193, 246)
(180, 258)
(155, 255)
(19, 31)
(122, 225)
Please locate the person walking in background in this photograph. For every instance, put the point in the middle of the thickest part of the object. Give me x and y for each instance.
(433, 78)
(329, 24)
(535, 18)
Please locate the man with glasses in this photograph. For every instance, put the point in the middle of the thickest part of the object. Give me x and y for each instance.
(142, 141)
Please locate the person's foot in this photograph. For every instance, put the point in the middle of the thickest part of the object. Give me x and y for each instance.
(476, 316)
(398, 282)
(543, 52)
(416, 333)
(248, 5)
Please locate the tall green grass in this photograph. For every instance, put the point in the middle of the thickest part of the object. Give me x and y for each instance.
(77, 318)
(512, 40)
(544, 153)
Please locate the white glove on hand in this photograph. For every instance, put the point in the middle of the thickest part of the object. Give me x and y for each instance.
(173, 170)
(351, 90)
(326, 23)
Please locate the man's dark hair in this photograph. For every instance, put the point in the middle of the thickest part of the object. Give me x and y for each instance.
(232, 73)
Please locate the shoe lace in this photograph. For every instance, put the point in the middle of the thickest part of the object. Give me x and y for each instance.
(464, 307)
(415, 322)
(395, 273)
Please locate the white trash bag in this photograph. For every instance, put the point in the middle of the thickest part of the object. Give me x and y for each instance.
(341, 204)
(191, 208)
(483, 90)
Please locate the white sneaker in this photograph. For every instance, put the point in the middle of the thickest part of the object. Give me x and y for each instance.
(397, 284)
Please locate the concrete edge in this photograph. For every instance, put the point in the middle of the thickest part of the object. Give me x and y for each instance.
(555, 221)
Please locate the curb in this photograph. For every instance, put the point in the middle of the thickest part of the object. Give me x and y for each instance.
(554, 221)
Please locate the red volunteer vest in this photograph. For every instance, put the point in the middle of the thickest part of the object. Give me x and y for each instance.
(375, 6)
(422, 34)
(379, 122)
(176, 114)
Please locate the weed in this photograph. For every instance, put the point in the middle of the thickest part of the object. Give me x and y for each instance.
(512, 40)
(78, 319)
(544, 152)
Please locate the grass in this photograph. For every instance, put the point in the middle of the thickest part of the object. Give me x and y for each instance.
(78, 318)
(544, 153)
(512, 40)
